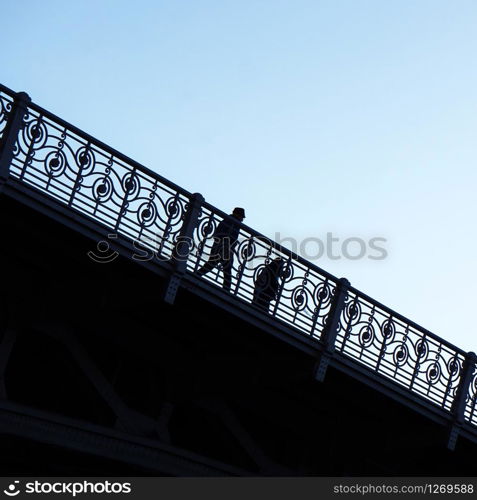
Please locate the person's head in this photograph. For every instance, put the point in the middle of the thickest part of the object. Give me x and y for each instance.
(239, 213)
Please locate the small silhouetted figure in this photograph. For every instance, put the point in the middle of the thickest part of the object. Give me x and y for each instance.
(267, 283)
(225, 240)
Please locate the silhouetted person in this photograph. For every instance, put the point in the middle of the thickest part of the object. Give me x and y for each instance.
(267, 283)
(225, 240)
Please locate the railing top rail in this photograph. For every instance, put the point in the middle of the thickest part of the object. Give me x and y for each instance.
(101, 145)
(7, 91)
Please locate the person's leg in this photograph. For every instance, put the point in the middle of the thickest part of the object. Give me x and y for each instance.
(208, 266)
(227, 270)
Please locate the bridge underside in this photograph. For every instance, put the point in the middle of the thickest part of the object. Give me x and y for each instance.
(99, 376)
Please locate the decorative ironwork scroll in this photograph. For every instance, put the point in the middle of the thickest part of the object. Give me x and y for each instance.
(6, 103)
(471, 400)
(302, 295)
(93, 179)
(398, 349)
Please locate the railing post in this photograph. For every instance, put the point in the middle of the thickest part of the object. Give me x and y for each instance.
(10, 135)
(183, 246)
(459, 404)
(330, 331)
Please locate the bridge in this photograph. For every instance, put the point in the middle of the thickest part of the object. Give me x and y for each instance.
(117, 357)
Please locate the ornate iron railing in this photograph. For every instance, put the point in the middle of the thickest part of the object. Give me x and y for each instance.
(396, 347)
(470, 413)
(6, 101)
(88, 176)
(304, 292)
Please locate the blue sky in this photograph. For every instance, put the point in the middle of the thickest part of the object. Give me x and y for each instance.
(353, 117)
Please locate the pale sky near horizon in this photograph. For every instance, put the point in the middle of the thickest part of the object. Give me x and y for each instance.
(354, 117)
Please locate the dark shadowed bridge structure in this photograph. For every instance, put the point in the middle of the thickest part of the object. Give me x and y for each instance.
(117, 358)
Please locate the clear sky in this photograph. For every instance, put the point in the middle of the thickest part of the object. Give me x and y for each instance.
(354, 117)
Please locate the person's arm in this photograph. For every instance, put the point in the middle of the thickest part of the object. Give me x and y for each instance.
(234, 234)
(223, 229)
